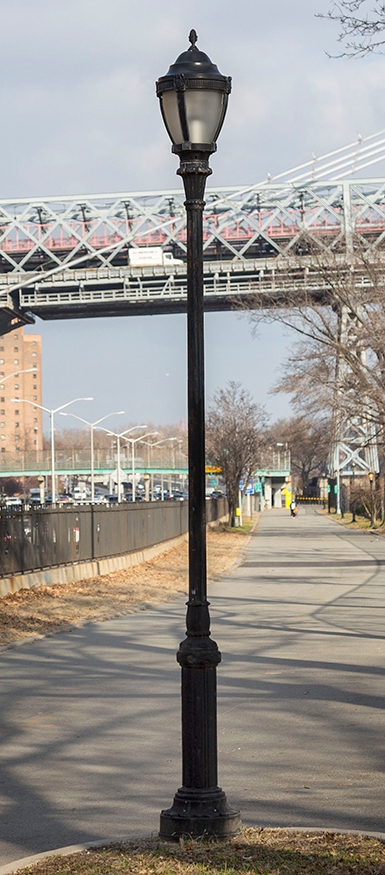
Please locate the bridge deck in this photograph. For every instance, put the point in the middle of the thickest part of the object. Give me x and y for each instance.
(69, 257)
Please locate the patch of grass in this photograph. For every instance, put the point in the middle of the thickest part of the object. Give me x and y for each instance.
(248, 524)
(361, 522)
(253, 852)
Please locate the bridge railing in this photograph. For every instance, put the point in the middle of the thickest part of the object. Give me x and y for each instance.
(79, 459)
(48, 537)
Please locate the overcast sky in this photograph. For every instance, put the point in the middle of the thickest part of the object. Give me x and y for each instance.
(79, 115)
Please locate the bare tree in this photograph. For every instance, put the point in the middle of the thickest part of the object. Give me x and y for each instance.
(362, 26)
(235, 435)
(308, 439)
(339, 362)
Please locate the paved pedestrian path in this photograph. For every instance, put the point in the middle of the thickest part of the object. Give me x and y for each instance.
(90, 725)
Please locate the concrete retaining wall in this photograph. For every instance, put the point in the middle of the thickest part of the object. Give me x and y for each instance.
(85, 570)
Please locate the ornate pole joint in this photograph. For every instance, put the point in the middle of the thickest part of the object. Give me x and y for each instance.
(194, 170)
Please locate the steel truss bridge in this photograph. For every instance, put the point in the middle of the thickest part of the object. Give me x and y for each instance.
(68, 257)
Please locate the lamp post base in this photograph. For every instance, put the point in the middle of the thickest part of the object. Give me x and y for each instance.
(199, 814)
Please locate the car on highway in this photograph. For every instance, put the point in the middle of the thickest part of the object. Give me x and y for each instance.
(14, 501)
(176, 495)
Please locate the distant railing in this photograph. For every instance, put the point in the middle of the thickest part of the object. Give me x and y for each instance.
(48, 537)
(79, 459)
(311, 499)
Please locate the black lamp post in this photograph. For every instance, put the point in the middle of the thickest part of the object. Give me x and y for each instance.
(371, 478)
(193, 98)
(354, 494)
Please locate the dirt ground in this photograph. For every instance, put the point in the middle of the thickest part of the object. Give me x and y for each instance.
(31, 613)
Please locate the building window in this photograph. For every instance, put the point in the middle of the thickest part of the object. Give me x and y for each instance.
(2, 412)
(3, 438)
(36, 430)
(1, 349)
(1, 361)
(34, 387)
(16, 386)
(34, 353)
(3, 449)
(2, 424)
(15, 336)
(16, 412)
(17, 424)
(35, 442)
(17, 449)
(16, 349)
(16, 361)
(2, 399)
(17, 437)
(34, 343)
(34, 398)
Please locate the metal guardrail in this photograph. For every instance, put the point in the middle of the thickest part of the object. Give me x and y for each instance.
(48, 537)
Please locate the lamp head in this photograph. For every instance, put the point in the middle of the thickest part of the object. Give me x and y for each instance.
(371, 476)
(193, 100)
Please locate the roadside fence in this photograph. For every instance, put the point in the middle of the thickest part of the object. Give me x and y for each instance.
(47, 537)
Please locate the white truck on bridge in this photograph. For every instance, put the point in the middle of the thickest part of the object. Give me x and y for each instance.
(151, 256)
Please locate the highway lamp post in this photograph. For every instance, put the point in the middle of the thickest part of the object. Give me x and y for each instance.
(193, 98)
(122, 434)
(134, 441)
(16, 374)
(52, 429)
(92, 426)
(157, 444)
(371, 478)
(150, 445)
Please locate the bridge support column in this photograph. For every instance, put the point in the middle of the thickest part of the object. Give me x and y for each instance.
(355, 439)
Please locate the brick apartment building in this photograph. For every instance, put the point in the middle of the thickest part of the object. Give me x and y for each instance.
(20, 424)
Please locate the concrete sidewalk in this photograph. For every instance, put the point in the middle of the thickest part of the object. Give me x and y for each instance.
(90, 723)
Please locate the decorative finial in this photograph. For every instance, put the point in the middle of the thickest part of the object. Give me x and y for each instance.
(193, 36)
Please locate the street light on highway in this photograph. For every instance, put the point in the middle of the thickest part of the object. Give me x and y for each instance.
(134, 441)
(93, 425)
(16, 374)
(157, 444)
(193, 98)
(122, 434)
(52, 428)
